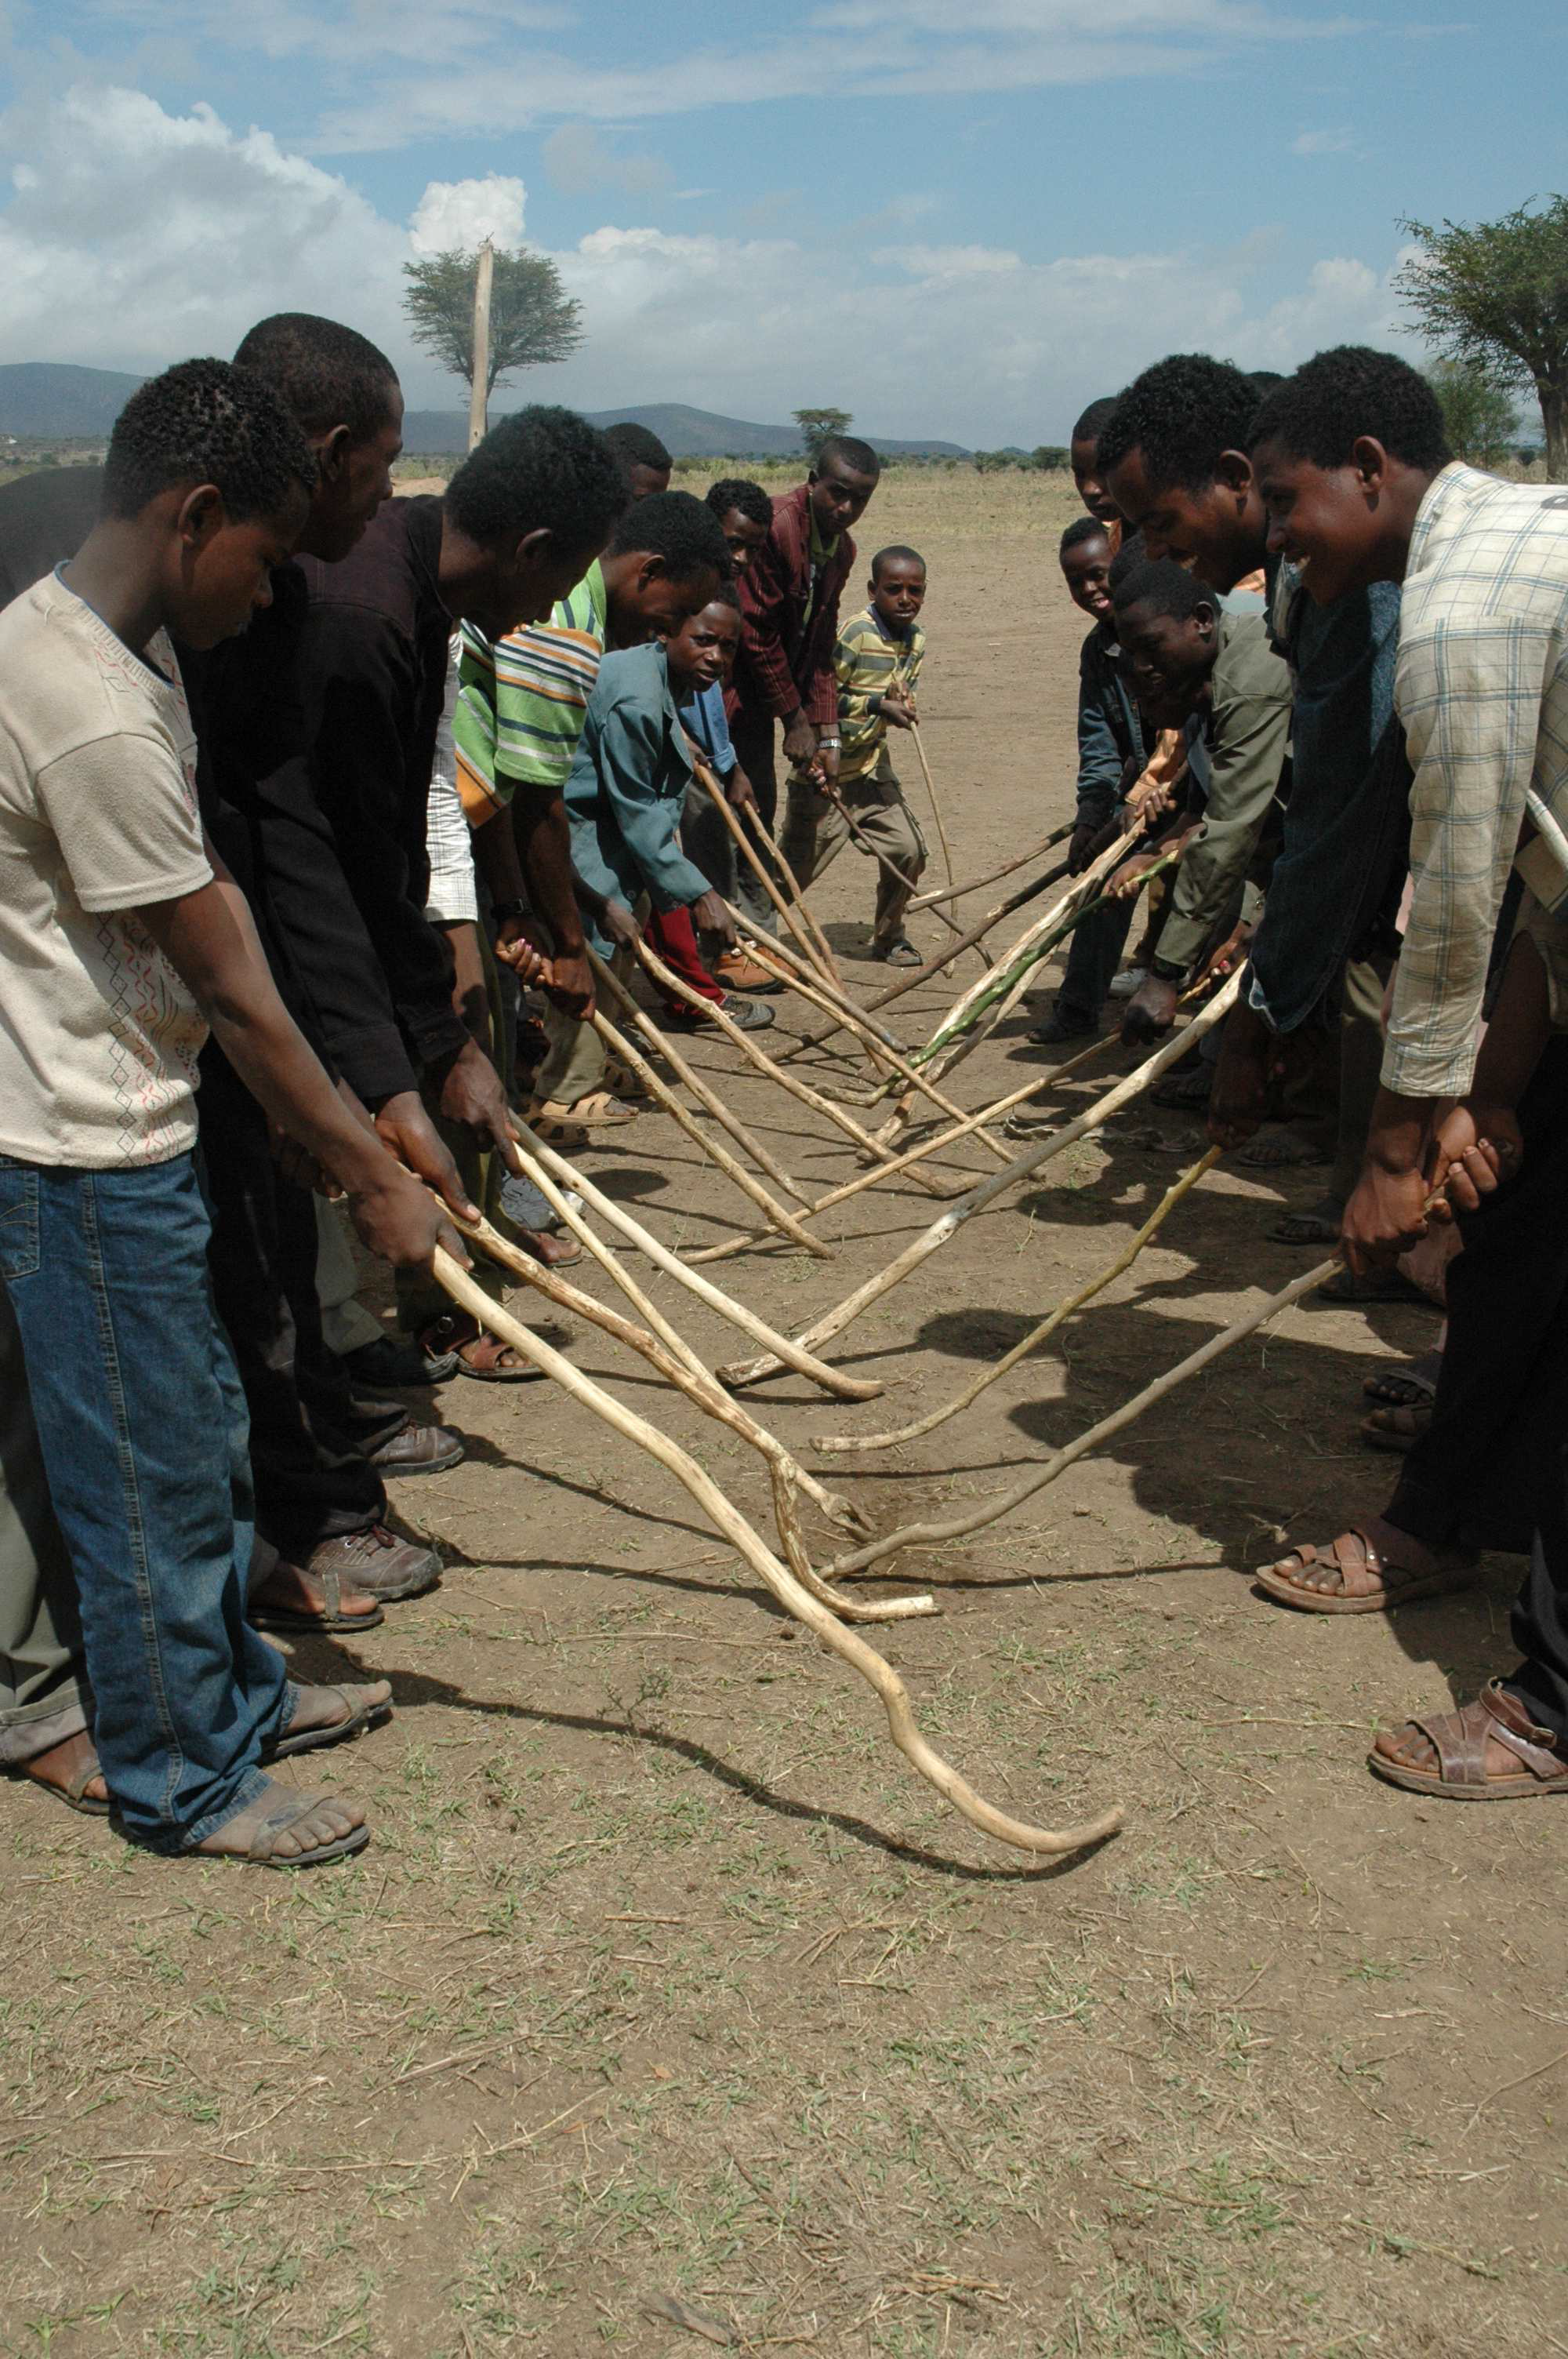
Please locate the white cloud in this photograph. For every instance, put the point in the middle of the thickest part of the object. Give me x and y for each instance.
(580, 161)
(1322, 143)
(133, 236)
(465, 213)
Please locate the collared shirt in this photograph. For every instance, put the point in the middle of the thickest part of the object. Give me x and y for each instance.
(789, 619)
(1243, 744)
(627, 786)
(522, 699)
(1482, 687)
(702, 716)
(1109, 731)
(869, 662)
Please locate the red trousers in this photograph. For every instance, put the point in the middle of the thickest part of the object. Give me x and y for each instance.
(673, 937)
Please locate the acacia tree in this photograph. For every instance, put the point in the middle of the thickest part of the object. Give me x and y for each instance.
(818, 426)
(1479, 411)
(532, 318)
(1498, 292)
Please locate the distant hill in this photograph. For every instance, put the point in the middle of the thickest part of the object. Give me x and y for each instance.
(50, 398)
(45, 398)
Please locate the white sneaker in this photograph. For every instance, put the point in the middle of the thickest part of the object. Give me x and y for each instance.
(1128, 981)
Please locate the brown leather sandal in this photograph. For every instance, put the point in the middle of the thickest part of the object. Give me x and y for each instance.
(1370, 1581)
(1460, 1739)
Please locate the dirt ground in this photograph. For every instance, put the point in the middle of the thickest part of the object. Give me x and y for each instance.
(669, 2008)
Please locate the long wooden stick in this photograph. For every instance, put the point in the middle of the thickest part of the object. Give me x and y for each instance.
(941, 962)
(934, 1535)
(759, 948)
(775, 1213)
(668, 981)
(804, 1361)
(797, 890)
(660, 1045)
(994, 875)
(790, 1593)
(795, 919)
(680, 1366)
(1037, 1334)
(843, 1314)
(891, 867)
(935, 805)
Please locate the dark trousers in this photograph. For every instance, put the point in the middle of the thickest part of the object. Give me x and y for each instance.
(754, 738)
(1492, 1469)
(1093, 958)
(308, 1434)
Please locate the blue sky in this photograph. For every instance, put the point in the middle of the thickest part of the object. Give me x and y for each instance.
(956, 219)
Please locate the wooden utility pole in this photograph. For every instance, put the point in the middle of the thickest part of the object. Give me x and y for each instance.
(479, 395)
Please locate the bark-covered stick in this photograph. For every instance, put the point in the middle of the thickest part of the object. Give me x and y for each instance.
(1036, 1335)
(935, 805)
(791, 1595)
(795, 920)
(959, 1528)
(833, 1322)
(994, 875)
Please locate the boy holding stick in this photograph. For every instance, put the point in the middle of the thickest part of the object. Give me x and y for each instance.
(878, 665)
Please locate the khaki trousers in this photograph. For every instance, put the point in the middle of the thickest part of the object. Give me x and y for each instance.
(815, 832)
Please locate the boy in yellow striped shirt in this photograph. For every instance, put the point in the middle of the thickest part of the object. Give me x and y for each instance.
(878, 664)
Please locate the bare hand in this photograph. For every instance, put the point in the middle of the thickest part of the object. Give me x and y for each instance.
(800, 743)
(404, 1127)
(1129, 876)
(570, 987)
(520, 946)
(1386, 1215)
(710, 916)
(738, 790)
(1232, 953)
(827, 763)
(472, 1094)
(401, 1220)
(898, 709)
(1151, 1011)
(295, 1164)
(619, 924)
(1476, 1150)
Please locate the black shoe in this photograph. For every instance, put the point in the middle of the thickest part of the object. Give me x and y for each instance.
(391, 1365)
(1059, 1026)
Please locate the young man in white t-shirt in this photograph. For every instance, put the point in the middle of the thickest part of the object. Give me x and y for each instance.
(121, 944)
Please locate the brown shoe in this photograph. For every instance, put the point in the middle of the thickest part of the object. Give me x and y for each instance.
(736, 972)
(417, 1449)
(379, 1561)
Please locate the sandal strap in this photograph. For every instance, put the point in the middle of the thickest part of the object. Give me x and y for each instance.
(76, 1791)
(1459, 1739)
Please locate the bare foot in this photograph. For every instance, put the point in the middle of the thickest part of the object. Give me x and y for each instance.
(321, 1715)
(1409, 1747)
(62, 1765)
(289, 1590)
(284, 1828)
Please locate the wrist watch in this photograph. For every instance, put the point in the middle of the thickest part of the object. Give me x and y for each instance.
(502, 910)
(1167, 970)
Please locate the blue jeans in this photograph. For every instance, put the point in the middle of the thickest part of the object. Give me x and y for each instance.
(142, 1424)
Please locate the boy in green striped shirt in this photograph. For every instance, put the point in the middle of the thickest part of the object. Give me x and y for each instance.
(878, 664)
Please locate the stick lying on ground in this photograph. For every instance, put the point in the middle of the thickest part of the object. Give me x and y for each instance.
(959, 1527)
(936, 806)
(542, 1164)
(994, 875)
(791, 1593)
(1037, 1334)
(679, 1365)
(833, 1322)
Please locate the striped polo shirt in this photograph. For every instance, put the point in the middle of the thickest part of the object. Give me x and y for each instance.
(521, 700)
(869, 661)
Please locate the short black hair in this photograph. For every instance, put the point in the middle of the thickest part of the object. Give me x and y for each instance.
(855, 458)
(1082, 529)
(726, 595)
(637, 446)
(1092, 424)
(207, 422)
(1131, 553)
(1348, 391)
(680, 529)
(896, 552)
(541, 467)
(326, 374)
(1181, 414)
(735, 492)
(1165, 586)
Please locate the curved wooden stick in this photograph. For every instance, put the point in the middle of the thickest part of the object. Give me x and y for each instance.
(959, 1527)
(857, 835)
(756, 820)
(791, 1595)
(804, 1361)
(793, 914)
(670, 982)
(936, 806)
(683, 1369)
(759, 948)
(1037, 1334)
(995, 875)
(783, 1221)
(833, 1322)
